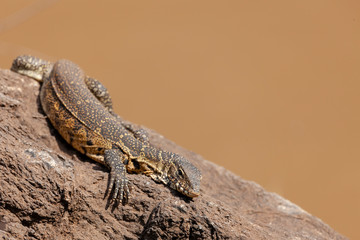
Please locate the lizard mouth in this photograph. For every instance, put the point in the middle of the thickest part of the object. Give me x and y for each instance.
(192, 194)
(187, 192)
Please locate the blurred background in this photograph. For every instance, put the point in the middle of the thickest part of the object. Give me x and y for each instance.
(267, 89)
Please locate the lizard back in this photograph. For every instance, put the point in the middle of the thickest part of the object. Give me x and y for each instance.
(67, 80)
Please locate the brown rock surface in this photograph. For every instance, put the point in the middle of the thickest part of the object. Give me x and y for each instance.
(48, 191)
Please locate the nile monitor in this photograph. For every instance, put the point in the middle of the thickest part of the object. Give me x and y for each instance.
(80, 108)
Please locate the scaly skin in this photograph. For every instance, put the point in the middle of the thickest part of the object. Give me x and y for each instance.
(80, 108)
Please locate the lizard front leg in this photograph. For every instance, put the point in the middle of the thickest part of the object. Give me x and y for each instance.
(100, 92)
(140, 134)
(118, 184)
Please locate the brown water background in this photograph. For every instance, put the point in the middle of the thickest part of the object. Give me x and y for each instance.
(267, 89)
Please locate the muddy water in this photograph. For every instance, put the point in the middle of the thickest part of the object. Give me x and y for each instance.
(269, 90)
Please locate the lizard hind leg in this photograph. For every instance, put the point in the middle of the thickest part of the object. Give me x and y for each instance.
(33, 67)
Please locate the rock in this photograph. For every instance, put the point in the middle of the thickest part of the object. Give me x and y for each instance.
(50, 191)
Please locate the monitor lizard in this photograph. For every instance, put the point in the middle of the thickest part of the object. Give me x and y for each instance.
(80, 109)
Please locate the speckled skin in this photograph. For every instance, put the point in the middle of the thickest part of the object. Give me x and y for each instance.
(80, 108)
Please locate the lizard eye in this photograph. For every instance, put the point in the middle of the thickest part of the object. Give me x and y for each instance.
(180, 173)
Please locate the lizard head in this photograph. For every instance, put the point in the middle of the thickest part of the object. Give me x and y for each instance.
(184, 177)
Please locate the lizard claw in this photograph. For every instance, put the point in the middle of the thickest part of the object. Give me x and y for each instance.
(118, 184)
(121, 190)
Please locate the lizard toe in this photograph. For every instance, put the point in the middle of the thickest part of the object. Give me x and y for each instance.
(109, 185)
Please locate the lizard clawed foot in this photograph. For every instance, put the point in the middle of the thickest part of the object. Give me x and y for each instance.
(118, 189)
